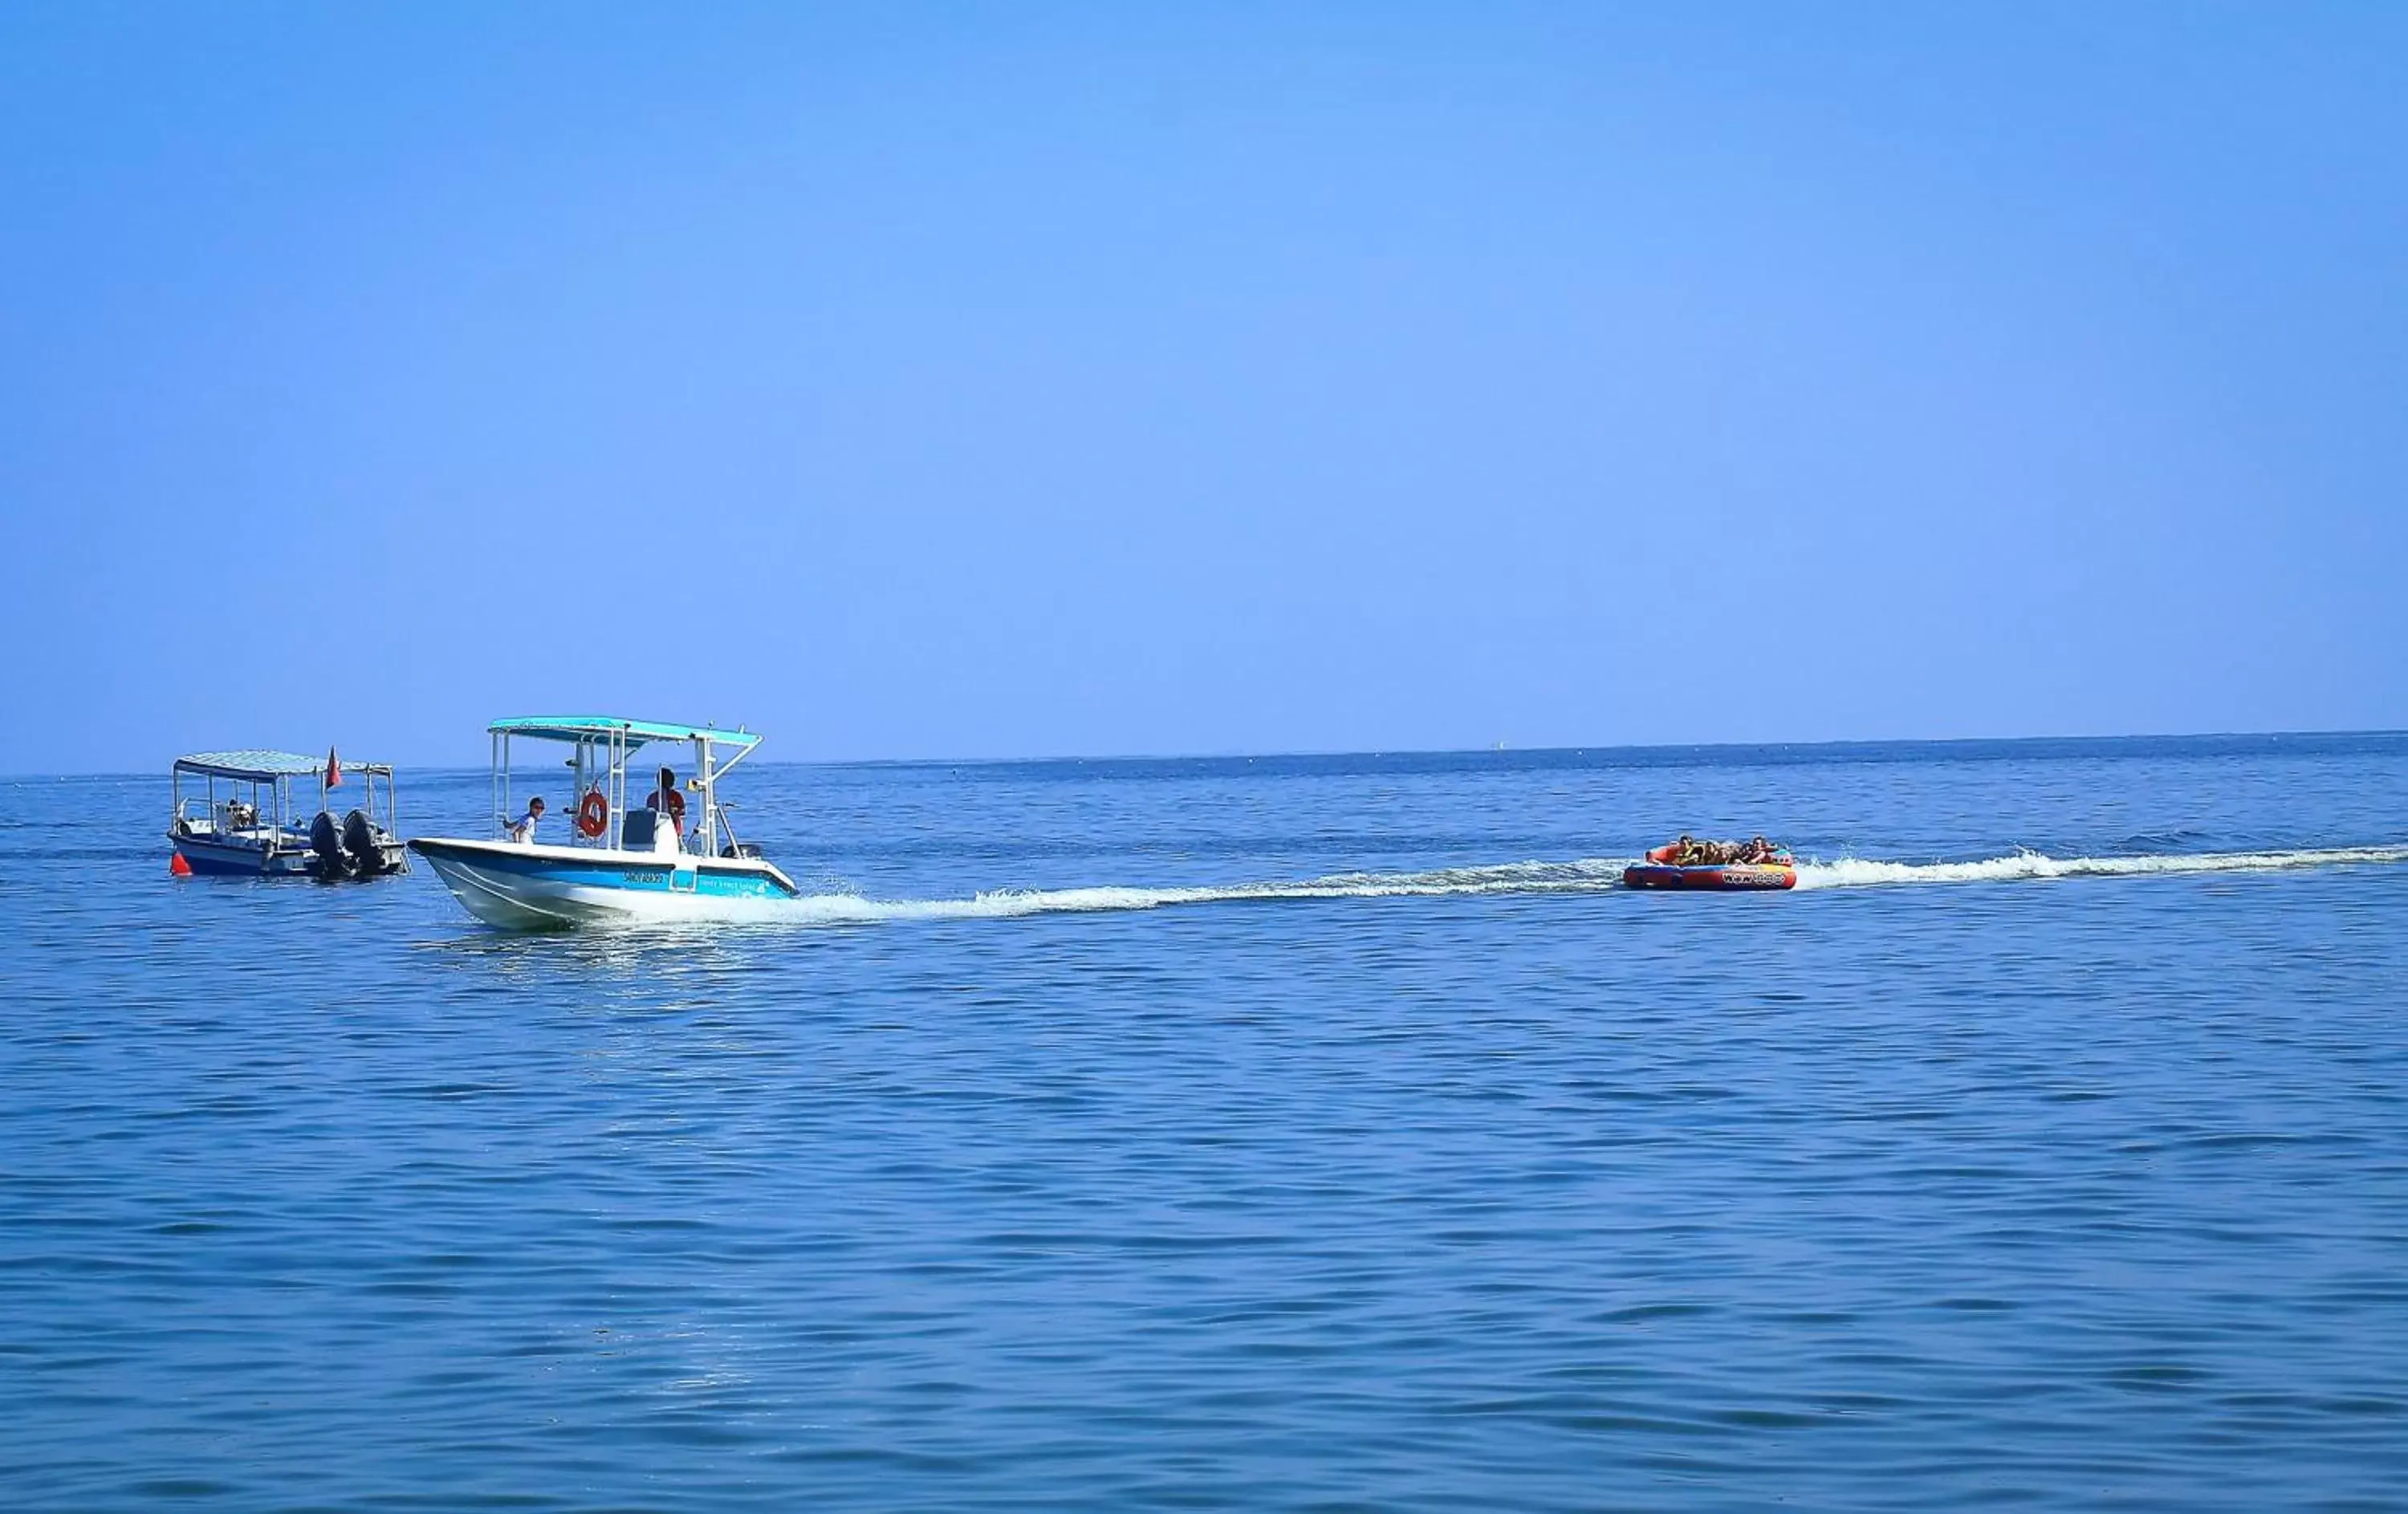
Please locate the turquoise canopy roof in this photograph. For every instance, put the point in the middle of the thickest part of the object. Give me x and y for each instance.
(593, 727)
(258, 766)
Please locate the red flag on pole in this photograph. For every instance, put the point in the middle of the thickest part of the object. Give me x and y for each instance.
(334, 769)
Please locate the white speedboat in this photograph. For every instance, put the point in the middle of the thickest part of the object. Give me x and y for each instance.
(256, 830)
(621, 860)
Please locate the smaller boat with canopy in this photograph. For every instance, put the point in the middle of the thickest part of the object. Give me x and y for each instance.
(626, 858)
(256, 829)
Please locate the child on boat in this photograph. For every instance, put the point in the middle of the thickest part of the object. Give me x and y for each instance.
(521, 829)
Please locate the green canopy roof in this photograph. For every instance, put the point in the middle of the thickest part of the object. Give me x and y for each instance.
(600, 728)
(258, 766)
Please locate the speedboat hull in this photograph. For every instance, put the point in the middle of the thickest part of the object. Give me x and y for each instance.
(246, 855)
(520, 887)
(217, 857)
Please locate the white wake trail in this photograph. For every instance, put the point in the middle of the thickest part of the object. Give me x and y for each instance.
(1853, 872)
(1587, 875)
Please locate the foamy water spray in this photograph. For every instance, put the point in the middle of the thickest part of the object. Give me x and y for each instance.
(1849, 872)
(1588, 875)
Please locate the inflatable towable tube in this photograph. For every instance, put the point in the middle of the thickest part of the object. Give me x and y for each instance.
(1660, 872)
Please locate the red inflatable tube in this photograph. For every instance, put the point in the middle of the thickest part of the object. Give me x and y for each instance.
(1660, 872)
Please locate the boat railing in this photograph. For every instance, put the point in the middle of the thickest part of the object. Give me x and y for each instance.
(602, 751)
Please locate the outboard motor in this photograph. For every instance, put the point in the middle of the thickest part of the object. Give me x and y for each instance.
(360, 840)
(326, 841)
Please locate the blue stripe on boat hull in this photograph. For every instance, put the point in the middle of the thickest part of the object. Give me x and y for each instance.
(528, 889)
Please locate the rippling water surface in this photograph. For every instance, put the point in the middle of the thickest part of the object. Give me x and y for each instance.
(1062, 1152)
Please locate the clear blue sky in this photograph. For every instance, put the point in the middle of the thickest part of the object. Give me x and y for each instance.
(1020, 379)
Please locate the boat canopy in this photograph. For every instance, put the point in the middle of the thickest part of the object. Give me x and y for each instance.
(632, 732)
(264, 766)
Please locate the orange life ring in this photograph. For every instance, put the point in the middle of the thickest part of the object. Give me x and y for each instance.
(593, 813)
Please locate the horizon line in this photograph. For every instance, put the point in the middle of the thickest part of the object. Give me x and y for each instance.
(1498, 749)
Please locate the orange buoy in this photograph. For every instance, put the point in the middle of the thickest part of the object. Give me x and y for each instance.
(178, 867)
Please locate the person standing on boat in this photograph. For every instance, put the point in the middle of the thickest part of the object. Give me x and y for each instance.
(668, 800)
(521, 829)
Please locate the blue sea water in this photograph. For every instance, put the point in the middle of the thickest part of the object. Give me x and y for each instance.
(1278, 1133)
